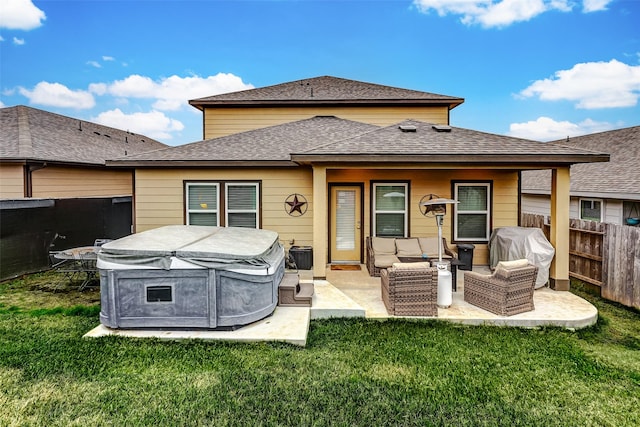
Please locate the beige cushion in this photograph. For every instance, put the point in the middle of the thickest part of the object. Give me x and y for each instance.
(408, 247)
(429, 246)
(510, 265)
(411, 265)
(383, 245)
(385, 260)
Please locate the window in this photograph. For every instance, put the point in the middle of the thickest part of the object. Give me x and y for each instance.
(591, 209)
(390, 209)
(236, 206)
(472, 213)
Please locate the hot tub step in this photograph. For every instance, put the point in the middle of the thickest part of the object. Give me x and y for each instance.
(292, 293)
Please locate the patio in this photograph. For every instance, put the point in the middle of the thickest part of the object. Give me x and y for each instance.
(356, 294)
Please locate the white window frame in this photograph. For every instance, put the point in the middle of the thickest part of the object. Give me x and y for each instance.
(405, 212)
(586, 199)
(486, 212)
(228, 211)
(201, 211)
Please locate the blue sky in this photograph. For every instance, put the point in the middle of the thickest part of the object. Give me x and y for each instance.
(539, 69)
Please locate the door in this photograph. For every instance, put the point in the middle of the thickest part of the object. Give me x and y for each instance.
(346, 227)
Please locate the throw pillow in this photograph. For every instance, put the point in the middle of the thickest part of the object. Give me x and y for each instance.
(510, 265)
(411, 265)
(408, 247)
(383, 245)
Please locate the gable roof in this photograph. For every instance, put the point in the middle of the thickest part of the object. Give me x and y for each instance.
(29, 134)
(335, 140)
(616, 179)
(325, 90)
(270, 146)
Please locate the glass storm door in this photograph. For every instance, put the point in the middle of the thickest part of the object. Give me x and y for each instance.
(346, 230)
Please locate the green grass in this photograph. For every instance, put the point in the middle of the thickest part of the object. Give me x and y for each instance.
(352, 372)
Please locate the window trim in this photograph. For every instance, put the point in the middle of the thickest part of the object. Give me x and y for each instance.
(232, 211)
(222, 210)
(488, 212)
(405, 212)
(187, 193)
(590, 199)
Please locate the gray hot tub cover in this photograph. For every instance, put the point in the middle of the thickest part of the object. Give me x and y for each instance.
(211, 247)
(510, 243)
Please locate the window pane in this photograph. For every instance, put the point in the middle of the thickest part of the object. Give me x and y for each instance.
(203, 197)
(203, 219)
(472, 226)
(390, 225)
(390, 197)
(346, 220)
(241, 197)
(243, 219)
(590, 210)
(472, 198)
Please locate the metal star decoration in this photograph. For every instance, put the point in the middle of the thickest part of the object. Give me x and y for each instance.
(296, 203)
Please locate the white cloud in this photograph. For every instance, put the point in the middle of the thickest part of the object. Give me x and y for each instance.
(591, 85)
(98, 88)
(58, 95)
(502, 13)
(95, 64)
(20, 15)
(173, 92)
(108, 58)
(595, 5)
(2, 104)
(1, 38)
(154, 124)
(18, 42)
(547, 129)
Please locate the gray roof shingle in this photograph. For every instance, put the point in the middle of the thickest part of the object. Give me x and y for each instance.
(331, 139)
(617, 178)
(30, 134)
(326, 90)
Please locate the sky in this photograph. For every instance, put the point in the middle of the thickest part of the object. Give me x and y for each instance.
(536, 69)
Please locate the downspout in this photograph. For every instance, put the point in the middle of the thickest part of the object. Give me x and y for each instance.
(29, 169)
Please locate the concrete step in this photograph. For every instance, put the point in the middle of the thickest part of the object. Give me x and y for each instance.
(329, 301)
(292, 293)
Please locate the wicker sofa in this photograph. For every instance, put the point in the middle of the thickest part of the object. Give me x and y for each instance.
(508, 291)
(383, 252)
(410, 289)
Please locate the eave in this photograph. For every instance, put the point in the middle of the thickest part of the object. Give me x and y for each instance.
(202, 104)
(187, 164)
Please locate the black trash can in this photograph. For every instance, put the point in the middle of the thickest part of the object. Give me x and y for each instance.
(303, 256)
(465, 255)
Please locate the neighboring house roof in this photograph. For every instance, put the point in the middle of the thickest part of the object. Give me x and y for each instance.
(331, 139)
(617, 179)
(28, 134)
(325, 90)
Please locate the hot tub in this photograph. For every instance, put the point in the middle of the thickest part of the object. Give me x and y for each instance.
(187, 277)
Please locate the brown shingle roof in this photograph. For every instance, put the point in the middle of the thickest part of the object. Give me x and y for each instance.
(331, 139)
(326, 90)
(618, 178)
(29, 134)
(429, 143)
(265, 146)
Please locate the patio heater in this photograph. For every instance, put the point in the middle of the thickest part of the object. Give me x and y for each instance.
(437, 206)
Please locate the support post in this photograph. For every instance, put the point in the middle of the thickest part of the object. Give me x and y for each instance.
(559, 232)
(320, 222)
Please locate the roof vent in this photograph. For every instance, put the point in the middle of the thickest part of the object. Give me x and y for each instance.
(407, 128)
(441, 128)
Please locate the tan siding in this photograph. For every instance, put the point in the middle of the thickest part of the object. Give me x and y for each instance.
(55, 181)
(11, 182)
(160, 198)
(225, 121)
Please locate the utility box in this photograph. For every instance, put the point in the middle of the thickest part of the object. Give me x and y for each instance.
(465, 256)
(303, 256)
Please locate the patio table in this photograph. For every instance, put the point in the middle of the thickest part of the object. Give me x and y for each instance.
(81, 261)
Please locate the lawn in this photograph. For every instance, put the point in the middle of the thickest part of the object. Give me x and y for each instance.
(351, 373)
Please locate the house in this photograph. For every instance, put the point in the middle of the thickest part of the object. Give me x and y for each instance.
(326, 162)
(603, 192)
(53, 181)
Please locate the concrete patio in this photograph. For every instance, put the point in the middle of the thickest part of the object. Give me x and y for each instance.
(356, 294)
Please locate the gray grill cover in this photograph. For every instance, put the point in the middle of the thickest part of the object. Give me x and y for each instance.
(212, 247)
(511, 243)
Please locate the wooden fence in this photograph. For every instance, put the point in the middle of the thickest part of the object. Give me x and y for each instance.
(602, 254)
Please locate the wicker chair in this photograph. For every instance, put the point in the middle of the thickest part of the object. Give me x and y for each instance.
(508, 291)
(410, 291)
